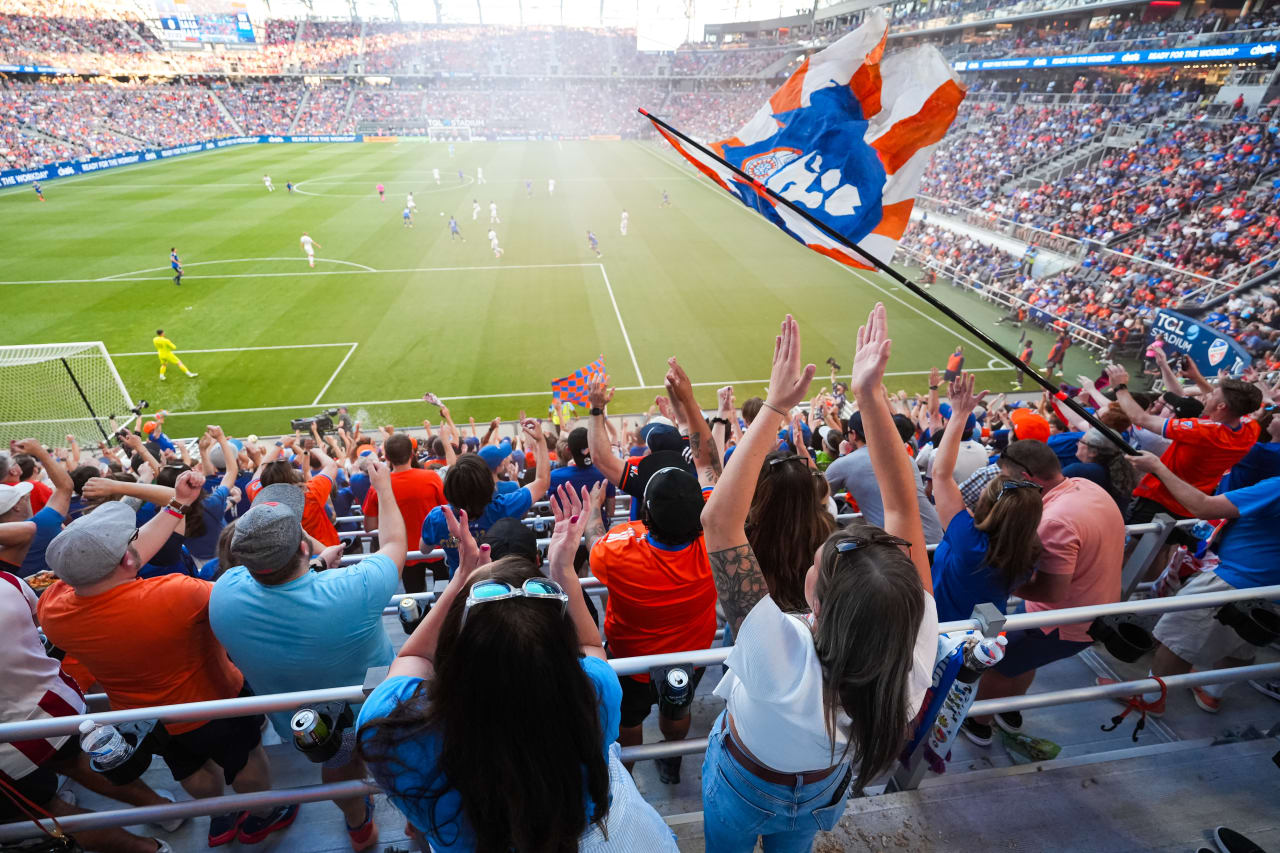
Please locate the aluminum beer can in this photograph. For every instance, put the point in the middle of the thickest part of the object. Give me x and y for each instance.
(309, 728)
(410, 611)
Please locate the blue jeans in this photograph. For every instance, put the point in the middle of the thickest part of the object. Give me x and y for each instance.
(738, 806)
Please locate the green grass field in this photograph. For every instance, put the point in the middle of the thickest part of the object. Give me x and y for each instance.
(389, 313)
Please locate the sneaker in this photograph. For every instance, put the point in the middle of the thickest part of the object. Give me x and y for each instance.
(163, 377)
(223, 828)
(169, 825)
(1010, 721)
(365, 835)
(979, 733)
(162, 846)
(255, 829)
(193, 374)
(1267, 688)
(1230, 841)
(669, 769)
(1206, 700)
(1156, 710)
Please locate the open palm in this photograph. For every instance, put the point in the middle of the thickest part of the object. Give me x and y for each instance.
(872, 355)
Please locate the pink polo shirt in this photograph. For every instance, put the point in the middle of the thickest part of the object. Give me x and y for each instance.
(1083, 536)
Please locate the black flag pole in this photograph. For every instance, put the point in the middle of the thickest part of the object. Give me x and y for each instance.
(901, 279)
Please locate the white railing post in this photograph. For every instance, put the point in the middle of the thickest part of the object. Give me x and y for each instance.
(1140, 558)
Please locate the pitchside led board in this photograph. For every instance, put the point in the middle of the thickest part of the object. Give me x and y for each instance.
(205, 21)
(1210, 349)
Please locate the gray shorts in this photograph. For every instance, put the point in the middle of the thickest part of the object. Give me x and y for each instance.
(1194, 635)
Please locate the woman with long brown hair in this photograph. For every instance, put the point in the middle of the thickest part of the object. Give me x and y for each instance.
(788, 520)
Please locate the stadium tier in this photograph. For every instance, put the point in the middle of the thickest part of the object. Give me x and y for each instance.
(1001, 571)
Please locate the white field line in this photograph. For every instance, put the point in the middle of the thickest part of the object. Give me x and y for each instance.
(334, 375)
(625, 337)
(847, 269)
(124, 275)
(118, 170)
(308, 273)
(239, 349)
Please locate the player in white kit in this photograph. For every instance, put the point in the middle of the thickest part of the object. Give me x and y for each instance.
(309, 246)
(411, 204)
(480, 175)
(622, 225)
(493, 243)
(493, 213)
(435, 173)
(475, 209)
(266, 179)
(551, 186)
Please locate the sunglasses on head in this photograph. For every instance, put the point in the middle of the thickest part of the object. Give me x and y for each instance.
(1011, 485)
(855, 542)
(487, 591)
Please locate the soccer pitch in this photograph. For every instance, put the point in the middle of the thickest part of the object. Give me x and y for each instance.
(390, 312)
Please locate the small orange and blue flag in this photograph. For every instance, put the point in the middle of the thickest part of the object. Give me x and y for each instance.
(573, 388)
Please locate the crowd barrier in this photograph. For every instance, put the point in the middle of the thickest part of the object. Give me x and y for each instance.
(1150, 537)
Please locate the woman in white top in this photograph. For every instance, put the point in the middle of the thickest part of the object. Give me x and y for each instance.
(818, 703)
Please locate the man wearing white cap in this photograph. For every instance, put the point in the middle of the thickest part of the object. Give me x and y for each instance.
(23, 554)
(149, 643)
(331, 617)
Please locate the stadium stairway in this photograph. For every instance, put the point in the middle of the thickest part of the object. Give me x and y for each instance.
(226, 113)
(302, 108)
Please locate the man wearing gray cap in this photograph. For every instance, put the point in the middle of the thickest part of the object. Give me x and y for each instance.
(148, 643)
(295, 628)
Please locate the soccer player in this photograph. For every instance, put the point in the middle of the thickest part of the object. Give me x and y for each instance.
(551, 186)
(493, 213)
(35, 185)
(411, 204)
(528, 187)
(450, 149)
(1028, 353)
(480, 175)
(435, 173)
(593, 243)
(288, 185)
(622, 225)
(382, 192)
(493, 243)
(164, 349)
(266, 180)
(462, 179)
(309, 246)
(454, 233)
(176, 264)
(666, 199)
(475, 209)
(407, 216)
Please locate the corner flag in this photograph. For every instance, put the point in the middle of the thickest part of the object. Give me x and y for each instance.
(573, 388)
(847, 137)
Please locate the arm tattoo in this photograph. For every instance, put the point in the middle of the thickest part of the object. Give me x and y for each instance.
(705, 458)
(595, 527)
(739, 582)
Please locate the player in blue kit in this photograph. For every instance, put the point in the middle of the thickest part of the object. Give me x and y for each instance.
(289, 186)
(176, 264)
(594, 243)
(35, 185)
(407, 216)
(454, 233)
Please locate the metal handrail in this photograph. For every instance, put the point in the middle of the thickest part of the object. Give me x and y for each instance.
(240, 706)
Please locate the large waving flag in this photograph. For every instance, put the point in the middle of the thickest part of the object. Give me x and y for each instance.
(573, 388)
(847, 138)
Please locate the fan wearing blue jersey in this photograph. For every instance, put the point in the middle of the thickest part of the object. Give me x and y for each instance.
(176, 264)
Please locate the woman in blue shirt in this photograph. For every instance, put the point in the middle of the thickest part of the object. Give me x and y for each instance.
(983, 555)
(496, 726)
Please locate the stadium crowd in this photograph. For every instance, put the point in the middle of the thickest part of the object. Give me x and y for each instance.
(230, 544)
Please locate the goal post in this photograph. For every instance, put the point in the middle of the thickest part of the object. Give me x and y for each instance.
(50, 391)
(449, 133)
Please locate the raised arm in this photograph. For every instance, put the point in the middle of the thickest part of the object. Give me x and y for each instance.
(393, 539)
(155, 533)
(701, 445)
(1119, 383)
(571, 512)
(63, 488)
(946, 494)
(229, 456)
(1192, 372)
(739, 581)
(892, 467)
(542, 472)
(1170, 379)
(598, 395)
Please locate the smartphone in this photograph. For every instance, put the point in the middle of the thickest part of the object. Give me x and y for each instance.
(432, 399)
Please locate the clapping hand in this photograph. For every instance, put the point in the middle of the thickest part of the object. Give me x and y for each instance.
(470, 555)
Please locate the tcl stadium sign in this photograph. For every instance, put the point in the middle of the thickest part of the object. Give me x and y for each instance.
(1209, 348)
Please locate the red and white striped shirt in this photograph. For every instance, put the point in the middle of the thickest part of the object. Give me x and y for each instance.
(34, 686)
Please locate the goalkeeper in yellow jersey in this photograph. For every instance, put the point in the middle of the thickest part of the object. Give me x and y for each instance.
(164, 349)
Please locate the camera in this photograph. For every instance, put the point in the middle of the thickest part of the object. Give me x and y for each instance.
(137, 410)
(323, 422)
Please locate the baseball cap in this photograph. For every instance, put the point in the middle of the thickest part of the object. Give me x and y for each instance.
(672, 497)
(10, 495)
(854, 425)
(494, 454)
(1029, 424)
(578, 446)
(267, 536)
(218, 459)
(509, 536)
(92, 545)
(1183, 407)
(660, 437)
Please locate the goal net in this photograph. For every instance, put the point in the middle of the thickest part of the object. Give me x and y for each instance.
(50, 391)
(449, 133)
